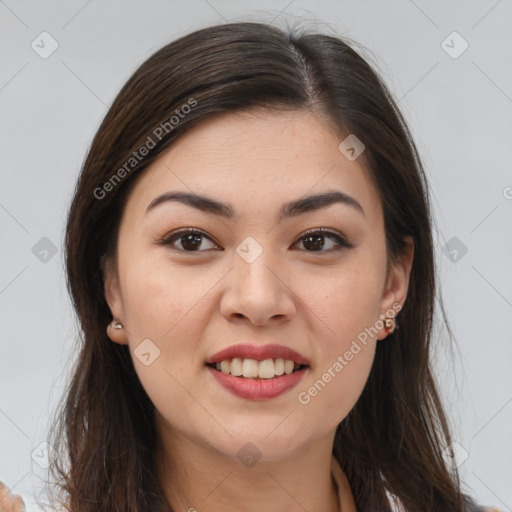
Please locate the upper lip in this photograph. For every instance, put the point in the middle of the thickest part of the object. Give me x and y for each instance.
(259, 353)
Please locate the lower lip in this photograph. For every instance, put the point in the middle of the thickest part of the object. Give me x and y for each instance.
(253, 389)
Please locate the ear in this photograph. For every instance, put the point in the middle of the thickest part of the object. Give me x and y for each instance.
(397, 283)
(113, 297)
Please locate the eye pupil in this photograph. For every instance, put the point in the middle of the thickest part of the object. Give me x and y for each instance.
(190, 239)
(317, 241)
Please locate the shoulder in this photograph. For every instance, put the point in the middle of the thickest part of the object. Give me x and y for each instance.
(480, 508)
(473, 506)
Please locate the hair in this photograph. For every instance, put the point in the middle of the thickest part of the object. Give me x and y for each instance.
(104, 434)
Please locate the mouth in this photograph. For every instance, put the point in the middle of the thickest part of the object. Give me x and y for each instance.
(267, 369)
(257, 380)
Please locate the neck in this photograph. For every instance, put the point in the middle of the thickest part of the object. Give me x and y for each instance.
(198, 478)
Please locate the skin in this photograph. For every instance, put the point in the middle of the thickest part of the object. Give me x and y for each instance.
(191, 305)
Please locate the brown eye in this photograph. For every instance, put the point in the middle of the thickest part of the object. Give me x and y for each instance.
(190, 240)
(193, 240)
(315, 241)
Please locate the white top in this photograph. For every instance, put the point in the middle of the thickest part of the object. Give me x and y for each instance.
(347, 502)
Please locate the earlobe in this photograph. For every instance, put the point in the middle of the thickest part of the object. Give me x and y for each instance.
(115, 329)
(117, 333)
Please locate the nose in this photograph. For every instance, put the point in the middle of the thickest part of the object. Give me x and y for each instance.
(258, 292)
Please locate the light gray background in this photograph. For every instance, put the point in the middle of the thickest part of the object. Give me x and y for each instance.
(459, 110)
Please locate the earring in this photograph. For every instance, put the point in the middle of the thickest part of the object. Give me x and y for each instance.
(390, 325)
(116, 325)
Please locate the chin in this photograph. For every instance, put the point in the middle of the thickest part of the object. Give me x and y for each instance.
(259, 439)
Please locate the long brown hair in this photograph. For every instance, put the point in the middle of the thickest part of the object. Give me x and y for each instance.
(104, 433)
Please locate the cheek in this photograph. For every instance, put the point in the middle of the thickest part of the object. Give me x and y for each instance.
(346, 308)
(336, 386)
(166, 317)
(343, 302)
(165, 307)
(161, 299)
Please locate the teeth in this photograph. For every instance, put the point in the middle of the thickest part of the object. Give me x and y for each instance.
(252, 369)
(224, 366)
(236, 367)
(288, 366)
(266, 369)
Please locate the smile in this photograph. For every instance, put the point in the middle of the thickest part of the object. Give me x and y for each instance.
(253, 369)
(257, 388)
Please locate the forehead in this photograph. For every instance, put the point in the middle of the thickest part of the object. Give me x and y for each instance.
(257, 159)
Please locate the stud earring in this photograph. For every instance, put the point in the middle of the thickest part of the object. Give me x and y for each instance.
(390, 325)
(116, 325)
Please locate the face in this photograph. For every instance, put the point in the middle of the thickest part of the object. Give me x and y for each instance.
(312, 280)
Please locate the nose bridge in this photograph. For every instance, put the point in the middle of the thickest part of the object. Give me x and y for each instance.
(252, 269)
(256, 290)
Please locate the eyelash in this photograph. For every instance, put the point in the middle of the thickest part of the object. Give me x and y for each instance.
(340, 240)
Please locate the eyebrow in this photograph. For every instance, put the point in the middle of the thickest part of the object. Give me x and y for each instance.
(293, 208)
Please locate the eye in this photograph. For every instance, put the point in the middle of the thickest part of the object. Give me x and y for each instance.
(190, 240)
(314, 241)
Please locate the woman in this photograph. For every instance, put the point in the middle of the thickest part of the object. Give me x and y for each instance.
(250, 256)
